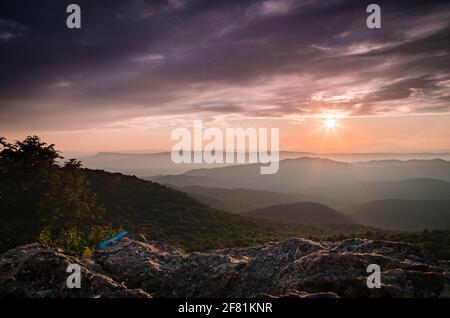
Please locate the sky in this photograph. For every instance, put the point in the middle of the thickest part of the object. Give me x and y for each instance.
(138, 69)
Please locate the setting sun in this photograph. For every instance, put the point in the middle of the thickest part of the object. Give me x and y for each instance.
(330, 123)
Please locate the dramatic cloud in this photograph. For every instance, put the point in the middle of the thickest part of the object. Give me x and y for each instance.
(140, 59)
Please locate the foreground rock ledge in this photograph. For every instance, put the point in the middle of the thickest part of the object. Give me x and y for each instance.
(293, 268)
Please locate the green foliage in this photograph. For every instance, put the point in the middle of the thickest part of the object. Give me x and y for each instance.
(77, 241)
(41, 199)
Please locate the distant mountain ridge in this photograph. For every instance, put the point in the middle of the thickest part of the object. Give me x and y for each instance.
(295, 175)
(152, 164)
(148, 164)
(239, 200)
(395, 214)
(348, 194)
(302, 212)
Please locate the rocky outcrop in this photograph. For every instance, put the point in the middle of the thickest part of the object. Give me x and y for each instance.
(37, 271)
(293, 268)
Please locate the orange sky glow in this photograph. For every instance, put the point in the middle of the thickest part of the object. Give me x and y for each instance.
(353, 134)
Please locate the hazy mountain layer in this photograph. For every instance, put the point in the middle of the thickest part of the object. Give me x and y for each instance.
(239, 200)
(302, 212)
(295, 175)
(146, 164)
(344, 195)
(403, 214)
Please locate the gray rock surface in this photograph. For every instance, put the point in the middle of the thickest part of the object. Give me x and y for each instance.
(294, 268)
(37, 271)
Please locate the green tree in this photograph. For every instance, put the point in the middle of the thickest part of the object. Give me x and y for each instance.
(42, 198)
